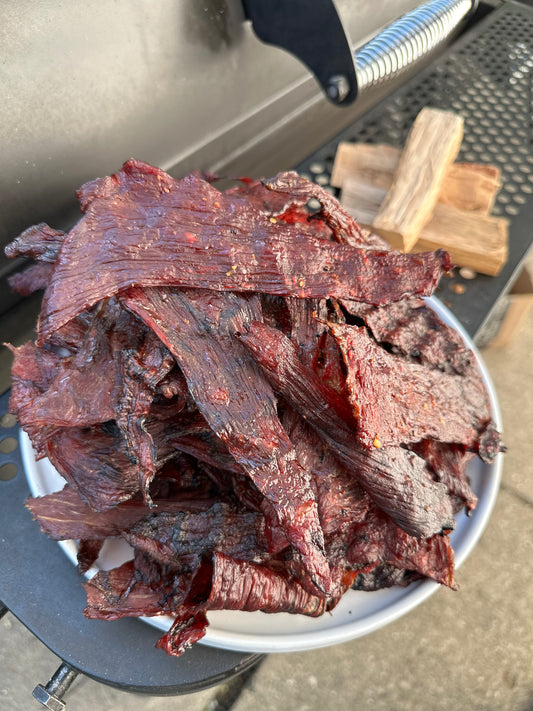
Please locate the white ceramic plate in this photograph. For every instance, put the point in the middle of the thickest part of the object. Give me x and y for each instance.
(358, 613)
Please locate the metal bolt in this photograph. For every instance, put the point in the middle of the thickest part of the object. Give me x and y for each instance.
(338, 88)
(50, 695)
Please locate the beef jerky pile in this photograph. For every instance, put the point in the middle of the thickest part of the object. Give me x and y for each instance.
(254, 397)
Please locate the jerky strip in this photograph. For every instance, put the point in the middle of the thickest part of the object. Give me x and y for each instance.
(379, 540)
(422, 403)
(169, 536)
(395, 479)
(40, 242)
(65, 399)
(116, 593)
(64, 516)
(144, 228)
(33, 278)
(186, 630)
(449, 462)
(237, 402)
(415, 330)
(145, 367)
(94, 464)
(342, 224)
(229, 584)
(341, 500)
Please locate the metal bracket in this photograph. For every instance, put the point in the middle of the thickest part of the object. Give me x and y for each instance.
(312, 31)
(51, 695)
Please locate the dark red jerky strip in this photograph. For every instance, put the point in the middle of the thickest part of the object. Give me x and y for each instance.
(265, 200)
(150, 571)
(384, 576)
(88, 551)
(290, 209)
(186, 630)
(188, 432)
(33, 278)
(379, 540)
(343, 226)
(329, 365)
(400, 402)
(64, 516)
(116, 593)
(141, 587)
(40, 242)
(449, 463)
(144, 368)
(207, 448)
(65, 399)
(169, 536)
(278, 357)
(220, 583)
(415, 330)
(229, 584)
(142, 227)
(308, 323)
(92, 463)
(395, 479)
(71, 334)
(316, 346)
(237, 402)
(32, 372)
(341, 500)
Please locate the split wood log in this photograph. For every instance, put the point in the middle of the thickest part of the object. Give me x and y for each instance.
(431, 147)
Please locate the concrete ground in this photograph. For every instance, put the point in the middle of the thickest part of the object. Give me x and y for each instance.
(471, 649)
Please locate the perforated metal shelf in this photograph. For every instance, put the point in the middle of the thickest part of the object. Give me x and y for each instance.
(486, 77)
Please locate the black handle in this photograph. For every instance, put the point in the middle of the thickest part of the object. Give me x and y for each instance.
(313, 32)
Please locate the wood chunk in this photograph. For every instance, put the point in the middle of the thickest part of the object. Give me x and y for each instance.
(431, 147)
(362, 200)
(473, 240)
(467, 186)
(471, 186)
(374, 164)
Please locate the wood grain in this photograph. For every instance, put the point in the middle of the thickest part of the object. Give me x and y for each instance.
(473, 239)
(431, 147)
(467, 186)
